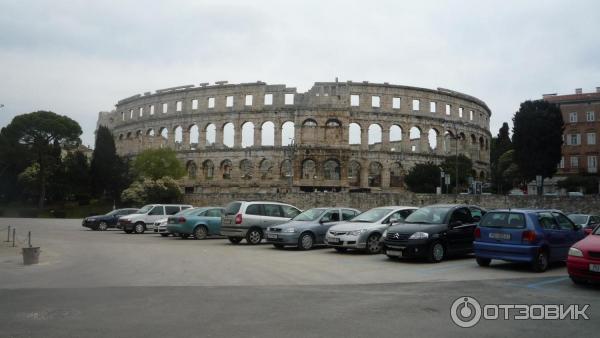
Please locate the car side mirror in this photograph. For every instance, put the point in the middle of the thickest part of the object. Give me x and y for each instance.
(588, 231)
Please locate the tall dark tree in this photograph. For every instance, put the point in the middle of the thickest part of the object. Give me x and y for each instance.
(423, 178)
(465, 169)
(77, 172)
(14, 159)
(499, 145)
(44, 134)
(537, 138)
(105, 165)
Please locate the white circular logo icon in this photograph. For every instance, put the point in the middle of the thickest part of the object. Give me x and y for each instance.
(465, 312)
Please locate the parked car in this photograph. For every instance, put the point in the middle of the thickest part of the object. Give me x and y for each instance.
(364, 231)
(249, 220)
(144, 218)
(583, 260)
(160, 226)
(109, 220)
(200, 222)
(585, 220)
(434, 232)
(308, 228)
(538, 237)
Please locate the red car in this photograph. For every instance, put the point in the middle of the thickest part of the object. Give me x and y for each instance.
(583, 262)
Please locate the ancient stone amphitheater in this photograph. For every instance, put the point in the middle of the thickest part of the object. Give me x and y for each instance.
(338, 136)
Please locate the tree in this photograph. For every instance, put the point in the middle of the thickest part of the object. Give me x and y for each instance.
(158, 163)
(589, 184)
(162, 190)
(109, 172)
(465, 169)
(14, 159)
(508, 171)
(499, 145)
(423, 178)
(537, 138)
(77, 173)
(43, 134)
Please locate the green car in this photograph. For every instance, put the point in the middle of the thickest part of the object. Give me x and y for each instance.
(200, 223)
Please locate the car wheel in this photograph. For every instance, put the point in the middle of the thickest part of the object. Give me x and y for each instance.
(164, 235)
(436, 252)
(306, 241)
(540, 262)
(254, 236)
(577, 280)
(278, 246)
(235, 240)
(200, 232)
(128, 231)
(103, 226)
(341, 249)
(139, 228)
(373, 244)
(483, 261)
(184, 236)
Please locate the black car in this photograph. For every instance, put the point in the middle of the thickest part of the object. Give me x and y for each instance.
(103, 222)
(433, 232)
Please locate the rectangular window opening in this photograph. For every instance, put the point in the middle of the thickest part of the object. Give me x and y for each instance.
(289, 99)
(229, 101)
(375, 100)
(432, 107)
(195, 104)
(354, 100)
(179, 106)
(268, 99)
(211, 102)
(165, 107)
(416, 105)
(396, 103)
(248, 100)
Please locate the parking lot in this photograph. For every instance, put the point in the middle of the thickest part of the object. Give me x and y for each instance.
(99, 283)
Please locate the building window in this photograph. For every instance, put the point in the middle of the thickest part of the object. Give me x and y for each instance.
(130, 113)
(268, 99)
(574, 139)
(249, 100)
(165, 108)
(590, 116)
(471, 115)
(122, 116)
(396, 103)
(178, 105)
(229, 101)
(354, 100)
(375, 101)
(561, 165)
(448, 109)
(573, 117)
(141, 111)
(591, 138)
(211, 102)
(195, 104)
(574, 162)
(152, 110)
(432, 107)
(460, 112)
(592, 164)
(416, 105)
(289, 99)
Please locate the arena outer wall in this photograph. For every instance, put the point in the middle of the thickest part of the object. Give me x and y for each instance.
(388, 126)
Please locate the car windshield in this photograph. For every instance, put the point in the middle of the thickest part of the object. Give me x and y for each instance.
(310, 214)
(503, 220)
(428, 215)
(145, 209)
(371, 216)
(578, 219)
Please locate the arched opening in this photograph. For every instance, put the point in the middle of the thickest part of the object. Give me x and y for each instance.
(178, 132)
(138, 134)
(211, 134)
(128, 135)
(208, 169)
(308, 133)
(331, 170)
(333, 131)
(286, 169)
(333, 123)
(309, 123)
(354, 174)
(267, 134)
(191, 169)
(432, 138)
(449, 142)
(481, 143)
(246, 169)
(415, 139)
(194, 136)
(309, 169)
(375, 132)
(287, 133)
(150, 132)
(228, 135)
(226, 166)
(354, 133)
(247, 134)
(395, 133)
(121, 137)
(164, 132)
(266, 169)
(396, 175)
(375, 169)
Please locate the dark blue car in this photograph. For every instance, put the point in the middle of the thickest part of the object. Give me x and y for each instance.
(538, 237)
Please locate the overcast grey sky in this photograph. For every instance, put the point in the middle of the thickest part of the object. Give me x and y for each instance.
(80, 57)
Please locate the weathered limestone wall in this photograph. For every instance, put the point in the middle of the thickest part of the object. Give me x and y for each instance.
(364, 201)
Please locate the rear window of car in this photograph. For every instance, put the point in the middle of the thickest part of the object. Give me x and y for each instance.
(232, 208)
(272, 210)
(172, 209)
(253, 209)
(503, 220)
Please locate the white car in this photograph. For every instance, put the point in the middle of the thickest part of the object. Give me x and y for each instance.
(160, 227)
(144, 218)
(363, 232)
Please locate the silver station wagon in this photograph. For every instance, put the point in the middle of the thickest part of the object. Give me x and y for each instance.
(364, 231)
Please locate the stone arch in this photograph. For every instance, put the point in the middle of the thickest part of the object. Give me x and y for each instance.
(354, 170)
(334, 133)
(247, 134)
(309, 169)
(481, 143)
(267, 134)
(354, 133)
(229, 135)
(226, 167)
(331, 170)
(246, 169)
(208, 169)
(432, 138)
(121, 137)
(375, 170)
(128, 135)
(286, 169)
(333, 123)
(164, 133)
(309, 131)
(210, 131)
(266, 169)
(449, 142)
(415, 134)
(375, 133)
(194, 133)
(192, 169)
(138, 134)
(309, 123)
(150, 132)
(395, 133)
(178, 134)
(288, 133)
(396, 175)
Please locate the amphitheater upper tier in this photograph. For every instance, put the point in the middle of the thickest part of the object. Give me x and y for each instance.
(337, 136)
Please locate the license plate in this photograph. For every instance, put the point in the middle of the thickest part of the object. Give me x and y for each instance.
(272, 236)
(495, 235)
(595, 267)
(227, 221)
(394, 253)
(333, 240)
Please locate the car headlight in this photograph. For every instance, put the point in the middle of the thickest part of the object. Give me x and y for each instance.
(356, 232)
(91, 219)
(384, 235)
(575, 252)
(289, 230)
(419, 235)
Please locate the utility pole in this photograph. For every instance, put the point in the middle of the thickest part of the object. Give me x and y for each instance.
(291, 152)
